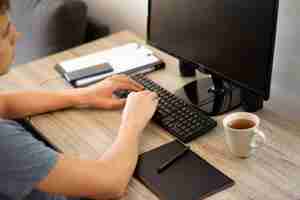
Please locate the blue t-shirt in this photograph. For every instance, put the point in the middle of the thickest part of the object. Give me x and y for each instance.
(24, 161)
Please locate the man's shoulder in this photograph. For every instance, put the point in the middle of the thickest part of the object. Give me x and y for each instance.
(14, 138)
(4, 123)
(11, 128)
(16, 141)
(25, 161)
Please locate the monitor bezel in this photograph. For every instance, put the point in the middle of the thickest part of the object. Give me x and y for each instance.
(264, 93)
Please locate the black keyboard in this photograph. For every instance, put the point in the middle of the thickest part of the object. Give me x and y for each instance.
(184, 121)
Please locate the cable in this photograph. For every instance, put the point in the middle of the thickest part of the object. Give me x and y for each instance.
(51, 79)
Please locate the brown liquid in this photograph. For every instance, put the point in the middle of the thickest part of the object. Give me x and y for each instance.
(241, 124)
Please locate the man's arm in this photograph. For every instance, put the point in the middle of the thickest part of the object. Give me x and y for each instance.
(20, 104)
(109, 176)
(106, 178)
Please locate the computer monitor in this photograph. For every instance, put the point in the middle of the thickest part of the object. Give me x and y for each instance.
(232, 40)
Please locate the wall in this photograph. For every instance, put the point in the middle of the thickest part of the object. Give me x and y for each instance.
(120, 14)
(287, 58)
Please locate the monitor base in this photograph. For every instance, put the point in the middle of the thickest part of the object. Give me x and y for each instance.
(187, 69)
(212, 95)
(251, 102)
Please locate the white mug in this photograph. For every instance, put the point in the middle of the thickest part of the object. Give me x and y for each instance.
(242, 141)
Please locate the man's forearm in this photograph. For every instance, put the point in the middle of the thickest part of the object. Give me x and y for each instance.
(106, 178)
(123, 155)
(20, 104)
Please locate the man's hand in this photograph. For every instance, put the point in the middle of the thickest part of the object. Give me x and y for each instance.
(139, 109)
(101, 95)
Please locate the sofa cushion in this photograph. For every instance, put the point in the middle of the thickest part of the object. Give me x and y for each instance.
(48, 26)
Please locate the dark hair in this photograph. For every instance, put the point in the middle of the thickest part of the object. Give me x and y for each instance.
(4, 6)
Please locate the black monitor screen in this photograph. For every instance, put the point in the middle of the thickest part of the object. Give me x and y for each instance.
(233, 39)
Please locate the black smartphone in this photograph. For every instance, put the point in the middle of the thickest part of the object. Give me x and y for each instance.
(88, 72)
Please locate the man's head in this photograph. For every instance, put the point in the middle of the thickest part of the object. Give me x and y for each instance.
(4, 6)
(8, 38)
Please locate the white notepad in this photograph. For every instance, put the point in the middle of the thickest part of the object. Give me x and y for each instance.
(124, 59)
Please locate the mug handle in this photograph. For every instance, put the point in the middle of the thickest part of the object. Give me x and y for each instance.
(262, 138)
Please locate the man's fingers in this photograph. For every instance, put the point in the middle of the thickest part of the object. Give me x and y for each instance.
(149, 94)
(136, 84)
(146, 92)
(115, 103)
(154, 95)
(118, 103)
(126, 79)
(126, 86)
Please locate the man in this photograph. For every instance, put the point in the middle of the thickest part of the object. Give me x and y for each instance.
(30, 170)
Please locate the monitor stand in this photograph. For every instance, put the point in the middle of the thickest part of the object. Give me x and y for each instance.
(214, 95)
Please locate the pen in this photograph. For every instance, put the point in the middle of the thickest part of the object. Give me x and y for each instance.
(169, 162)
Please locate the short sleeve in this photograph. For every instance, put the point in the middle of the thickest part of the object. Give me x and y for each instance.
(24, 161)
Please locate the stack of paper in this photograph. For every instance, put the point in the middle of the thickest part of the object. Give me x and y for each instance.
(128, 58)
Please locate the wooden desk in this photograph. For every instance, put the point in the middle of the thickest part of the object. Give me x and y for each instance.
(272, 173)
